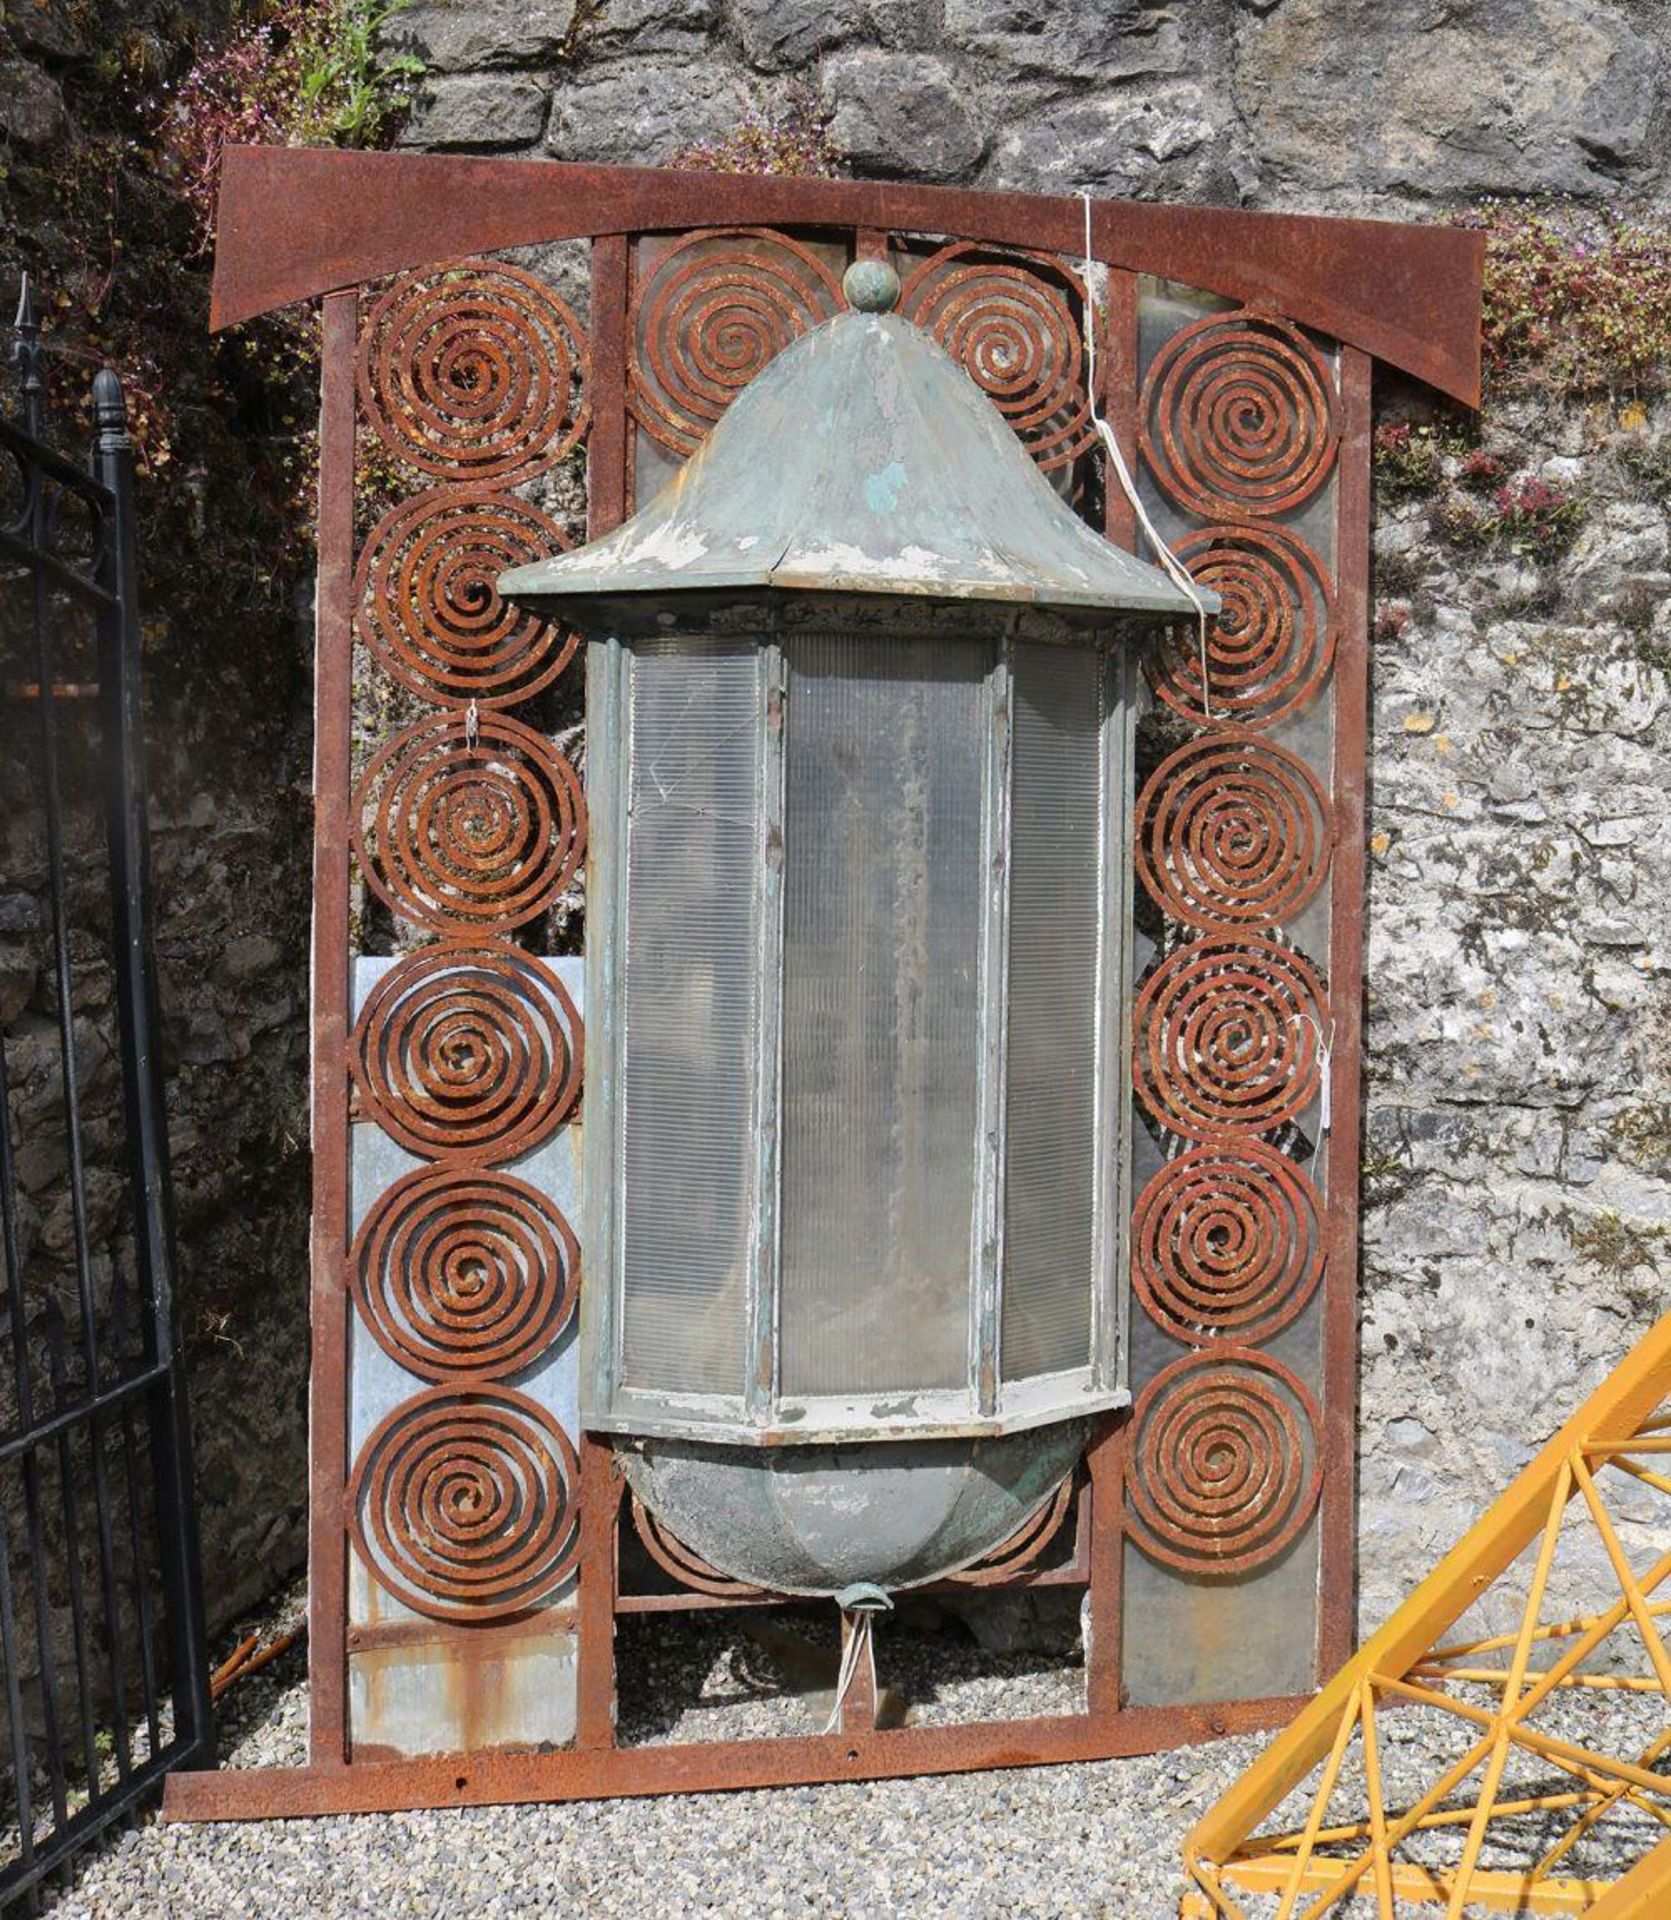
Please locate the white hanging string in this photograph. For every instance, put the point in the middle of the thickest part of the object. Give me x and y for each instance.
(1325, 1068)
(1173, 567)
(472, 724)
(860, 1603)
(860, 1646)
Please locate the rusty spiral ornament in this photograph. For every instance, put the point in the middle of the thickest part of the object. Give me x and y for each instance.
(1229, 1038)
(1240, 417)
(1232, 831)
(683, 1564)
(1272, 644)
(475, 372)
(462, 822)
(713, 310)
(1012, 324)
(1024, 1546)
(469, 1051)
(464, 1503)
(461, 1271)
(1227, 1244)
(428, 599)
(1222, 1466)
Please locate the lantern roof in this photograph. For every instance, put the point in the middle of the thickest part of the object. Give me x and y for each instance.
(861, 461)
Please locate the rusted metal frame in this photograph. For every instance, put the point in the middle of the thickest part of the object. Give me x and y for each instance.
(691, 1600)
(1117, 364)
(508, 1779)
(1337, 1572)
(986, 1305)
(329, 1739)
(761, 1288)
(293, 223)
(1105, 1553)
(600, 1517)
(537, 1624)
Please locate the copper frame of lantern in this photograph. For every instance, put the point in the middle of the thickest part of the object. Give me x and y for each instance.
(1250, 413)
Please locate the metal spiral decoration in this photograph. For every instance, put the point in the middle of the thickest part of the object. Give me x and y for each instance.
(474, 372)
(429, 609)
(1012, 324)
(462, 1271)
(1023, 1547)
(1240, 416)
(1232, 831)
(462, 822)
(1223, 1470)
(713, 311)
(1227, 1244)
(1270, 648)
(463, 1503)
(1229, 1038)
(470, 1050)
(683, 1564)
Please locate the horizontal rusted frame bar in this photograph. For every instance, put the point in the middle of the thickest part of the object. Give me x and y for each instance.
(296, 222)
(509, 1779)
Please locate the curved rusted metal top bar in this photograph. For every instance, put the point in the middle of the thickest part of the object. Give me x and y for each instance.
(296, 222)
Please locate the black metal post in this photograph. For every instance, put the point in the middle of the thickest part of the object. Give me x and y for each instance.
(147, 1131)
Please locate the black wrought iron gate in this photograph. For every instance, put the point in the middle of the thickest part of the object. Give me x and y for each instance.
(105, 1683)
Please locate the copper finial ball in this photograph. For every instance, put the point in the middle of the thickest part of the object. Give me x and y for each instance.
(870, 286)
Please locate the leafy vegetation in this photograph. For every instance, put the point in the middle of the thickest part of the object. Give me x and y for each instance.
(302, 73)
(1577, 302)
(793, 143)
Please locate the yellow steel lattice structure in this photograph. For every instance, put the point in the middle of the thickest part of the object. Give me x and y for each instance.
(1508, 1808)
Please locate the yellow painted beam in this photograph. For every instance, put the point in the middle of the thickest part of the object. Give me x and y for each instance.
(1625, 1400)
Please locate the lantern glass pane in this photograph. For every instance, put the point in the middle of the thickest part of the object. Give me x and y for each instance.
(883, 883)
(1050, 1098)
(693, 840)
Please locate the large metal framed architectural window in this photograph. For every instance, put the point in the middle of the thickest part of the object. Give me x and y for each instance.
(863, 1164)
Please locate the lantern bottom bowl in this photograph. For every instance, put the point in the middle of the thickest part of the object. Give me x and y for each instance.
(817, 1519)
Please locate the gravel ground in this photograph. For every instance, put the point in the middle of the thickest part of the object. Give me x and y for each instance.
(1098, 1840)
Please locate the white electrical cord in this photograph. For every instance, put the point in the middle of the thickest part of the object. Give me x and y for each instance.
(1173, 567)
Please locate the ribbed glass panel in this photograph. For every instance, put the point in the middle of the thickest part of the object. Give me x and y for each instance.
(693, 840)
(882, 918)
(1055, 851)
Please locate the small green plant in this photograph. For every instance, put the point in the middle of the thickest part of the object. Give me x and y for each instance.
(1618, 1246)
(304, 73)
(1535, 517)
(793, 142)
(1408, 465)
(1644, 1132)
(350, 89)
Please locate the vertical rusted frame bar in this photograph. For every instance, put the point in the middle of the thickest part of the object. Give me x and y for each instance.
(1337, 1596)
(1102, 1620)
(332, 772)
(600, 1510)
(1117, 377)
(606, 444)
(1105, 1481)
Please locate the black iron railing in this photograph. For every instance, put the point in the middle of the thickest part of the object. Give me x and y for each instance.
(101, 1616)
